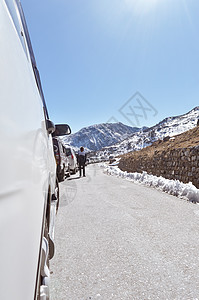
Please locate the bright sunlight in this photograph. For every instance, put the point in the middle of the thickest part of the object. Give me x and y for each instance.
(142, 6)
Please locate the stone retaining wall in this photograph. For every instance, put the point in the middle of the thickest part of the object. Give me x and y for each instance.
(181, 164)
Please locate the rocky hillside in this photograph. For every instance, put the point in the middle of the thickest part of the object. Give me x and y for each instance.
(98, 136)
(173, 158)
(171, 126)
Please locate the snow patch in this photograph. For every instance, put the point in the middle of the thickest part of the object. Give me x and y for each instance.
(169, 127)
(176, 188)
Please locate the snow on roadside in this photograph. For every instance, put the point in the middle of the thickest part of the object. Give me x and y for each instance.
(176, 188)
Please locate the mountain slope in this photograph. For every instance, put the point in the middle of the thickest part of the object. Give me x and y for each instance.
(96, 137)
(168, 127)
(173, 158)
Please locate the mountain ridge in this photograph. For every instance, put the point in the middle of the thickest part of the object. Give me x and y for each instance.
(115, 139)
(169, 126)
(97, 136)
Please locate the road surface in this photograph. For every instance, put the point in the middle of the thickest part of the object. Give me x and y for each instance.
(120, 240)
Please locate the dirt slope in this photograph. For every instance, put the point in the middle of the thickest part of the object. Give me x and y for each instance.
(187, 139)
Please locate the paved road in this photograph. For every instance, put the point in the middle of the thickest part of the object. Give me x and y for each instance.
(119, 240)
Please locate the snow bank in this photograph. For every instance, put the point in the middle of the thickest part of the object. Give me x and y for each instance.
(173, 187)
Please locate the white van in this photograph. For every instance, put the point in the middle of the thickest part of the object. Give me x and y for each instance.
(28, 189)
(70, 153)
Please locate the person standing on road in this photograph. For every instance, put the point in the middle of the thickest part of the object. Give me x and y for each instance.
(81, 159)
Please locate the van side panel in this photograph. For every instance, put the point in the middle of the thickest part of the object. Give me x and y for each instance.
(27, 166)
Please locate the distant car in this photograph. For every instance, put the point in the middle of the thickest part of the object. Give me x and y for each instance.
(63, 169)
(72, 159)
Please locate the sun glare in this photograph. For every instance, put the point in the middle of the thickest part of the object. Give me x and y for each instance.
(141, 6)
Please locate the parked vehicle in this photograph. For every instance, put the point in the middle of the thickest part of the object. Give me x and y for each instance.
(72, 159)
(28, 185)
(62, 161)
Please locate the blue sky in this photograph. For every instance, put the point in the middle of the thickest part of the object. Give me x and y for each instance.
(94, 55)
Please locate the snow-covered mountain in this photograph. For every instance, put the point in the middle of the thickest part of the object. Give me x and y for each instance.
(168, 127)
(96, 137)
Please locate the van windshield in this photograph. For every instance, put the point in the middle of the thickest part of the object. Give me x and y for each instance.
(68, 151)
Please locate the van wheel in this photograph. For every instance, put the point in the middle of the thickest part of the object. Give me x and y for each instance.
(42, 285)
(44, 271)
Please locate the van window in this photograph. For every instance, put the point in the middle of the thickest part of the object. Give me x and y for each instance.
(68, 151)
(16, 12)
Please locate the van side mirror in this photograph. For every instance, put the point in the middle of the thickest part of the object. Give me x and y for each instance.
(62, 129)
(50, 126)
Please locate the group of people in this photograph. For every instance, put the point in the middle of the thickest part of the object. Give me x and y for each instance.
(81, 160)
